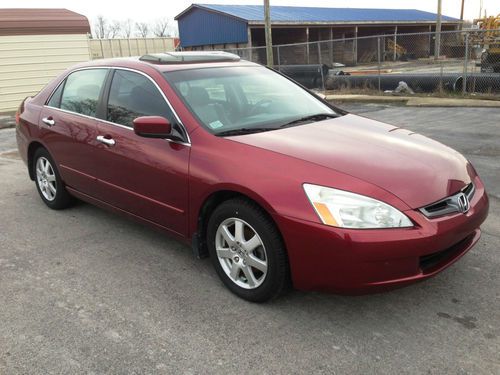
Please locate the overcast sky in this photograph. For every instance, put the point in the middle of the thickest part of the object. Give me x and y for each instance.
(147, 10)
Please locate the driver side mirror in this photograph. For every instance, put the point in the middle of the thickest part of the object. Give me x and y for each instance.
(152, 127)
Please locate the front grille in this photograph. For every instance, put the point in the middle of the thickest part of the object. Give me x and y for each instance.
(427, 262)
(449, 204)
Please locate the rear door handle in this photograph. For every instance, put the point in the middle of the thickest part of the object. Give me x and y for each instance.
(106, 141)
(48, 121)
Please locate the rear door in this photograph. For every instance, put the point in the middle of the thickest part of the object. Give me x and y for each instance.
(71, 127)
(143, 176)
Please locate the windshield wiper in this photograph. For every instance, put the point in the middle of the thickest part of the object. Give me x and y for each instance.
(242, 131)
(315, 117)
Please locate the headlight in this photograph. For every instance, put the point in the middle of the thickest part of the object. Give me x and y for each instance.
(340, 208)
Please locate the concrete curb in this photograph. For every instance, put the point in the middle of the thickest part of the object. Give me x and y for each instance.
(416, 101)
(445, 102)
(368, 99)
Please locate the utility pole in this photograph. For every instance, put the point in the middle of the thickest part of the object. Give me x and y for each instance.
(269, 38)
(437, 44)
(462, 15)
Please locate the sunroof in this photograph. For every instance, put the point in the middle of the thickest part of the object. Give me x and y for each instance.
(189, 57)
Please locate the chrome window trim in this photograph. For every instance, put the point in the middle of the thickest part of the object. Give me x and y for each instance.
(188, 143)
(111, 123)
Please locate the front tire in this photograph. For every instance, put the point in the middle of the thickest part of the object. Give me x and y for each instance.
(247, 251)
(48, 181)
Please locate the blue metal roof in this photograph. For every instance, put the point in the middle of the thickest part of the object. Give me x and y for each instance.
(255, 13)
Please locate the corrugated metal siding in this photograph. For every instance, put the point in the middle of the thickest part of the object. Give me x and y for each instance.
(201, 27)
(313, 14)
(29, 62)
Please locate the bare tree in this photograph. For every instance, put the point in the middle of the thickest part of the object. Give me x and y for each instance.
(175, 32)
(128, 28)
(100, 27)
(114, 29)
(142, 29)
(162, 27)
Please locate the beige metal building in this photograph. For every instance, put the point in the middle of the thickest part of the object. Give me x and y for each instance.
(36, 45)
(108, 48)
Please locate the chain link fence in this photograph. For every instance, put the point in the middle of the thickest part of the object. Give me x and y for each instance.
(459, 63)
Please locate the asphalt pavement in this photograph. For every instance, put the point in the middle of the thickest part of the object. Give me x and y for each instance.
(85, 291)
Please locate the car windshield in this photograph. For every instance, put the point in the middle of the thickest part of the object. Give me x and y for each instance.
(242, 100)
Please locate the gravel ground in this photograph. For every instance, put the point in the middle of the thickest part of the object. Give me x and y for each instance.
(85, 291)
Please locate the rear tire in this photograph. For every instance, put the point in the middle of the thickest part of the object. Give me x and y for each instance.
(247, 251)
(48, 181)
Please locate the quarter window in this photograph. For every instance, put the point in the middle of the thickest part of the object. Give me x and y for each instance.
(132, 95)
(81, 91)
(55, 100)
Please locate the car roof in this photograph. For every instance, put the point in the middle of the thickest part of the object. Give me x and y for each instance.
(172, 61)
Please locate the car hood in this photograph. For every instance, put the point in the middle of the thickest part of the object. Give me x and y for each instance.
(414, 168)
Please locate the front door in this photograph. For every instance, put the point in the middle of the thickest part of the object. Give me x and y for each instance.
(143, 176)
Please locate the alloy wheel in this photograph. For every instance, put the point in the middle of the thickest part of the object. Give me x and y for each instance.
(241, 253)
(46, 178)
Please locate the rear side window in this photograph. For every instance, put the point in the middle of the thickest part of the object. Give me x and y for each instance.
(81, 91)
(133, 95)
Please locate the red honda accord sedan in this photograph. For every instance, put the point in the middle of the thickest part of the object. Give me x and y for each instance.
(276, 185)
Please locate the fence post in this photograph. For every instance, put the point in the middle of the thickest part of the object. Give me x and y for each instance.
(319, 53)
(429, 42)
(321, 68)
(102, 49)
(441, 87)
(307, 45)
(322, 79)
(395, 43)
(355, 45)
(330, 46)
(89, 46)
(378, 61)
(466, 58)
(279, 58)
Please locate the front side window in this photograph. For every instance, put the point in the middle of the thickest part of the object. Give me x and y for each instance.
(229, 99)
(133, 95)
(81, 91)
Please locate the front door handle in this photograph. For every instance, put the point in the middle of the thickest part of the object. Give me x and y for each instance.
(48, 121)
(106, 141)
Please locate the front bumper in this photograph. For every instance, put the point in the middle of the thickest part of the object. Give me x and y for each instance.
(362, 261)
